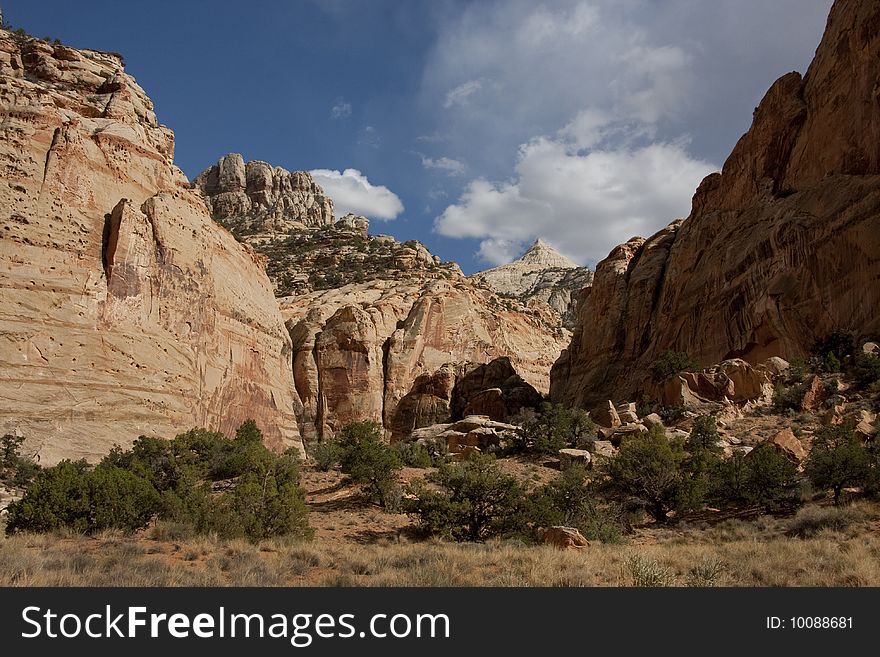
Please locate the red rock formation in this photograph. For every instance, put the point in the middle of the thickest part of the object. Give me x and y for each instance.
(124, 309)
(780, 248)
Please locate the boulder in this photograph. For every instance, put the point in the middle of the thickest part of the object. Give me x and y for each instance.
(652, 420)
(627, 413)
(787, 444)
(625, 431)
(833, 415)
(565, 538)
(814, 395)
(871, 349)
(602, 448)
(775, 366)
(569, 457)
(605, 415)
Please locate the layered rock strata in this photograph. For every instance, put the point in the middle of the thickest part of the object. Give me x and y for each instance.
(124, 309)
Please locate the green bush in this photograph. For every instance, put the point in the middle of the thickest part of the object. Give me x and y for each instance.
(671, 363)
(574, 500)
(704, 435)
(554, 428)
(797, 370)
(788, 397)
(649, 468)
(867, 370)
(370, 461)
(70, 495)
(326, 454)
(264, 503)
(413, 455)
(476, 501)
(838, 459)
(764, 477)
(173, 480)
(58, 497)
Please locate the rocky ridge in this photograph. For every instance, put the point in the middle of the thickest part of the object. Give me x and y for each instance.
(541, 273)
(125, 309)
(780, 248)
(256, 198)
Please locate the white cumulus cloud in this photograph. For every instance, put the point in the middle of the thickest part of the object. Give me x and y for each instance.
(352, 192)
(583, 203)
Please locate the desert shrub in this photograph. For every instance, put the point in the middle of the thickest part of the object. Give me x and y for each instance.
(671, 363)
(867, 370)
(644, 572)
(264, 503)
(839, 344)
(413, 455)
(15, 469)
(257, 492)
(58, 497)
(704, 435)
(326, 454)
(649, 468)
(813, 519)
(574, 500)
(119, 499)
(70, 495)
(475, 501)
(838, 459)
(797, 370)
(764, 477)
(369, 460)
(788, 397)
(705, 573)
(552, 429)
(770, 478)
(670, 414)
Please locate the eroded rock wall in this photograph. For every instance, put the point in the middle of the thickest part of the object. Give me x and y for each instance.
(124, 309)
(780, 248)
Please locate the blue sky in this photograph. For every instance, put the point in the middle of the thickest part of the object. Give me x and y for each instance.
(471, 126)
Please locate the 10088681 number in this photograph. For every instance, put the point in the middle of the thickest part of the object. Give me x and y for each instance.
(821, 622)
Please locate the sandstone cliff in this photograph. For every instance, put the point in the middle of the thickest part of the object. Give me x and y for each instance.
(541, 273)
(384, 330)
(780, 248)
(124, 309)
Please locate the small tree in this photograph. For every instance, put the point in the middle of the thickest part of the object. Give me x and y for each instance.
(838, 459)
(704, 435)
(671, 363)
(15, 469)
(369, 460)
(763, 476)
(477, 501)
(554, 428)
(575, 500)
(649, 468)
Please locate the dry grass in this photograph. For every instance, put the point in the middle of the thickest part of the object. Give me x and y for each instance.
(841, 548)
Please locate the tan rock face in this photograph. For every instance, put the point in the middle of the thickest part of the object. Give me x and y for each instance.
(780, 248)
(377, 350)
(125, 309)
